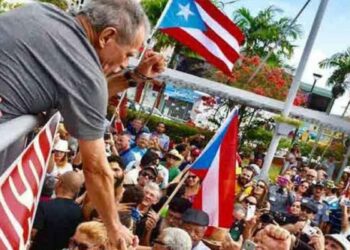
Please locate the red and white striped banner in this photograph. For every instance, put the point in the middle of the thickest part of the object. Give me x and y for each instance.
(20, 188)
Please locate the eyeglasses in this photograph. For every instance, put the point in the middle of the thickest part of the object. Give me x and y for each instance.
(191, 177)
(250, 202)
(150, 176)
(260, 185)
(73, 244)
(307, 210)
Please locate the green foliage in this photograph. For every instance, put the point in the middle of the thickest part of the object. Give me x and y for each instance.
(259, 134)
(177, 131)
(341, 64)
(6, 6)
(62, 4)
(264, 30)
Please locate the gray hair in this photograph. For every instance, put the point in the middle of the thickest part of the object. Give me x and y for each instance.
(153, 187)
(176, 239)
(127, 16)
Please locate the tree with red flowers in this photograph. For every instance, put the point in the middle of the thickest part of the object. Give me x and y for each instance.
(273, 82)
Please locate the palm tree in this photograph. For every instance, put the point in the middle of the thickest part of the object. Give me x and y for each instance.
(341, 64)
(264, 30)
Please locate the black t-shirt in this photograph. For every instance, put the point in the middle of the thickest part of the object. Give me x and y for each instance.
(56, 221)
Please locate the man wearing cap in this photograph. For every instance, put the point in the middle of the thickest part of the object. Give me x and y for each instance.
(150, 159)
(147, 175)
(322, 215)
(337, 242)
(141, 146)
(195, 223)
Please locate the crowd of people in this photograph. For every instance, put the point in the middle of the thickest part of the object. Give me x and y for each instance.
(301, 209)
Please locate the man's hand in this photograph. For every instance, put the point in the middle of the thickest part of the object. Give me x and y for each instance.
(274, 237)
(318, 240)
(151, 65)
(151, 221)
(230, 244)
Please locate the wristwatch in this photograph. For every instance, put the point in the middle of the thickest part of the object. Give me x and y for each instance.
(131, 81)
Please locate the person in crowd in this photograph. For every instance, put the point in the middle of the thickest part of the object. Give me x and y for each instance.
(85, 50)
(172, 163)
(162, 139)
(89, 235)
(322, 215)
(56, 220)
(257, 171)
(301, 190)
(110, 147)
(48, 188)
(163, 172)
(321, 174)
(177, 207)
(124, 149)
(149, 159)
(195, 223)
(147, 175)
(185, 150)
(311, 176)
(260, 192)
(329, 166)
(173, 238)
(135, 128)
(337, 242)
(192, 184)
(281, 197)
(141, 146)
(147, 227)
(295, 208)
(133, 194)
(249, 200)
(244, 182)
(60, 157)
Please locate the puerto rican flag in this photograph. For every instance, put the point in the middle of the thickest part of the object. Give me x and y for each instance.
(20, 188)
(202, 27)
(216, 166)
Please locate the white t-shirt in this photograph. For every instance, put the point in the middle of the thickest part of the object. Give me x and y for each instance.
(201, 246)
(61, 170)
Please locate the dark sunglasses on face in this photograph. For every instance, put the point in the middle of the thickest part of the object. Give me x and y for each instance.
(150, 176)
(260, 185)
(73, 244)
(250, 202)
(306, 210)
(191, 177)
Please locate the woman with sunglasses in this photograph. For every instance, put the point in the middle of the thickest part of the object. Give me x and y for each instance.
(60, 158)
(301, 190)
(260, 192)
(192, 185)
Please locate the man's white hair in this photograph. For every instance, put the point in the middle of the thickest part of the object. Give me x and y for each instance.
(176, 239)
(127, 16)
(153, 187)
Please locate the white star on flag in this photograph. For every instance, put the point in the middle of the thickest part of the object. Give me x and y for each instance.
(185, 11)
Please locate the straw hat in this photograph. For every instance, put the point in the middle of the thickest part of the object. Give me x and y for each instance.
(62, 146)
(176, 154)
(214, 241)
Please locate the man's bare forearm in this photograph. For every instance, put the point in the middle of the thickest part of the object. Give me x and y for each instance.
(99, 182)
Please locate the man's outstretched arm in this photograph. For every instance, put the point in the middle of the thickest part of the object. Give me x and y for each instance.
(99, 184)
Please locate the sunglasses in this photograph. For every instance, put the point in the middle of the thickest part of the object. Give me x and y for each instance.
(260, 185)
(191, 177)
(250, 202)
(150, 176)
(73, 244)
(304, 186)
(307, 210)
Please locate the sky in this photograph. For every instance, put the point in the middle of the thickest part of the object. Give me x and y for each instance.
(333, 36)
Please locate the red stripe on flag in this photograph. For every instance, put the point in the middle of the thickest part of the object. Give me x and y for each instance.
(2, 245)
(198, 200)
(30, 156)
(198, 47)
(226, 49)
(227, 174)
(222, 19)
(20, 212)
(44, 145)
(8, 229)
(18, 181)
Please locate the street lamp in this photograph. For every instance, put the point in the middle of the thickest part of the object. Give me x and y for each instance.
(316, 78)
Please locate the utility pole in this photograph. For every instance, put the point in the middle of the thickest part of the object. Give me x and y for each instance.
(295, 85)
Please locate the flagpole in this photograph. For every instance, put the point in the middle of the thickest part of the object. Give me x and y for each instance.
(149, 44)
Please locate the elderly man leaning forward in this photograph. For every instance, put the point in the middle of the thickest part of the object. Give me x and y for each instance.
(53, 60)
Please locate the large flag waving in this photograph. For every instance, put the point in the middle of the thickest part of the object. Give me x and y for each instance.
(216, 167)
(20, 188)
(205, 29)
